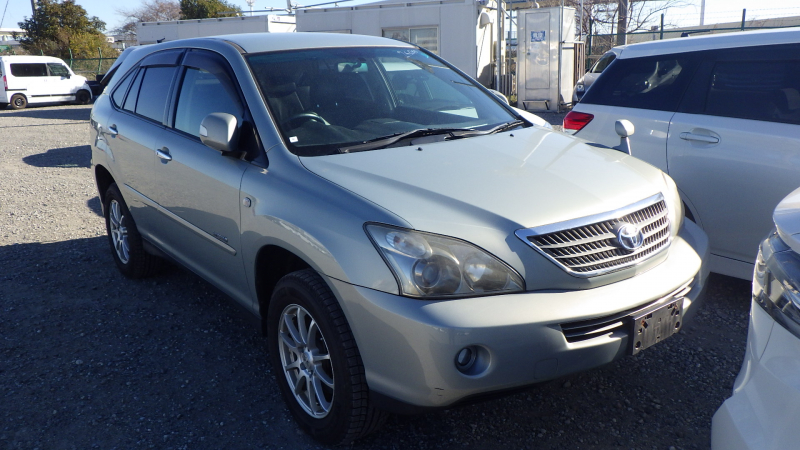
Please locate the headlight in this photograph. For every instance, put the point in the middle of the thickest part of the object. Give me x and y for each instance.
(674, 203)
(432, 266)
(579, 87)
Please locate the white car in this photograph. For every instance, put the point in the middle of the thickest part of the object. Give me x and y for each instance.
(762, 413)
(721, 115)
(40, 79)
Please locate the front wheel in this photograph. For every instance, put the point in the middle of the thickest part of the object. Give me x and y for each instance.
(83, 97)
(317, 363)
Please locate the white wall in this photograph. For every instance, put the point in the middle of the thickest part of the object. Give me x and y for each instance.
(151, 32)
(457, 21)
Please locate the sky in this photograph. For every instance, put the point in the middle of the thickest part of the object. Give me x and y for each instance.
(717, 11)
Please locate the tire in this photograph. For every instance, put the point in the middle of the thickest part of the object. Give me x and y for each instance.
(126, 243)
(339, 410)
(83, 97)
(18, 101)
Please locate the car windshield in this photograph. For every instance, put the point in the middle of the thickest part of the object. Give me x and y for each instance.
(337, 100)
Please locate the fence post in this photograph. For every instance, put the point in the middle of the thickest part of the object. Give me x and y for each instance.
(662, 28)
(100, 61)
(744, 14)
(70, 58)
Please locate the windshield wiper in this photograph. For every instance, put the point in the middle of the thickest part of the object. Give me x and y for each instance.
(498, 129)
(385, 141)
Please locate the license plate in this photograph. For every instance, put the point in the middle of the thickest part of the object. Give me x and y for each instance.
(651, 327)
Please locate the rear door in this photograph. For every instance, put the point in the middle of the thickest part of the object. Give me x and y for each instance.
(31, 80)
(734, 147)
(645, 91)
(197, 188)
(140, 101)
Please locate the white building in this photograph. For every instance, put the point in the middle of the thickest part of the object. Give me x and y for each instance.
(8, 38)
(460, 31)
(153, 32)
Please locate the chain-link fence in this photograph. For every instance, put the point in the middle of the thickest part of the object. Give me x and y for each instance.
(90, 67)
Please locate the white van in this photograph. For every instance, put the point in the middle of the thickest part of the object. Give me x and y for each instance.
(40, 79)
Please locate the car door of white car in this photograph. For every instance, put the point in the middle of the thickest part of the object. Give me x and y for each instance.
(198, 187)
(734, 148)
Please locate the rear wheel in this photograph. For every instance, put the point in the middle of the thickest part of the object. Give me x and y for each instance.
(83, 97)
(126, 243)
(317, 363)
(18, 101)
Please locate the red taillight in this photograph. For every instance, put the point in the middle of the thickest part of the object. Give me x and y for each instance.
(575, 121)
(5, 83)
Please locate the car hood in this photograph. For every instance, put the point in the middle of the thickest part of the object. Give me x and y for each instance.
(787, 220)
(506, 181)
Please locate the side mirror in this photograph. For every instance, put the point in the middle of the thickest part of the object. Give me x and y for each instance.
(624, 129)
(218, 131)
(499, 95)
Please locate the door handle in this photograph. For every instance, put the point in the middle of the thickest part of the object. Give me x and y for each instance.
(163, 153)
(686, 136)
(112, 130)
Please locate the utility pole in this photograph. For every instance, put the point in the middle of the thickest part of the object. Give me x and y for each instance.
(622, 22)
(702, 12)
(33, 8)
(250, 4)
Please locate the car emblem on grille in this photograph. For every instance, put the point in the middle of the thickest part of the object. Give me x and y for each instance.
(629, 236)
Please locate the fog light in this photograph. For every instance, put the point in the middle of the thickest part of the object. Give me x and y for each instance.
(465, 358)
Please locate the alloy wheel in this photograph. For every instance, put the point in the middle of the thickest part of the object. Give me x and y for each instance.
(119, 232)
(306, 361)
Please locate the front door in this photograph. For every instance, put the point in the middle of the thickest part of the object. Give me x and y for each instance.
(197, 188)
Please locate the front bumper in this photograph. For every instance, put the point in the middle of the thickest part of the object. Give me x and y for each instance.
(409, 346)
(763, 411)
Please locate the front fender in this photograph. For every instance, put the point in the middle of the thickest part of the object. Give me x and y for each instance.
(318, 221)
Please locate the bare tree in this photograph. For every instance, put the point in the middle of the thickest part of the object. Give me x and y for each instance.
(148, 11)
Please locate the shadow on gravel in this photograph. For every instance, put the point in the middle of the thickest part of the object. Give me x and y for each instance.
(65, 157)
(70, 113)
(95, 206)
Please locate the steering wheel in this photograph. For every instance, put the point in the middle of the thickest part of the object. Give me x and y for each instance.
(299, 119)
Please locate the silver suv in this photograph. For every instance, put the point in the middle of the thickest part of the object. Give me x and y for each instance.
(408, 240)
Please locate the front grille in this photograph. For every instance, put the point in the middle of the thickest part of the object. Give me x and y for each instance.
(604, 326)
(589, 247)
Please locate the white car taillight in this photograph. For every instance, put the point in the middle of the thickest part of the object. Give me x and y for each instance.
(575, 121)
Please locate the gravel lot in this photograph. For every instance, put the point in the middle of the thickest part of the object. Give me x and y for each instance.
(89, 359)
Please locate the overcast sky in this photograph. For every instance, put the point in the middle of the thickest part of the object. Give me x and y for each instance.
(717, 11)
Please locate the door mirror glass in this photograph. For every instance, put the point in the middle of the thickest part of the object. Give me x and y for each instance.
(218, 131)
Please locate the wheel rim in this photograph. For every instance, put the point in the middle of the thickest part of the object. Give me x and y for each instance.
(306, 361)
(119, 232)
(18, 102)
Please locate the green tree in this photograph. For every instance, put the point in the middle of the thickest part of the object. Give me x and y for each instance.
(58, 26)
(204, 9)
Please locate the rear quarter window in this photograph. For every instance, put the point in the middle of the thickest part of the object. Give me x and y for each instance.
(655, 83)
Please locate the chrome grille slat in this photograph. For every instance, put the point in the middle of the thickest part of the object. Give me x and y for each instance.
(588, 247)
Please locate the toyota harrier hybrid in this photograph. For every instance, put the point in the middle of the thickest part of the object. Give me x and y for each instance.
(407, 239)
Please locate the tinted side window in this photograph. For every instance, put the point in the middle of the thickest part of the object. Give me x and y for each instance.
(758, 90)
(119, 93)
(29, 70)
(130, 101)
(154, 92)
(647, 83)
(58, 70)
(202, 93)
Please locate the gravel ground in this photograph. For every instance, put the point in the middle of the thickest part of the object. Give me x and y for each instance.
(89, 359)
